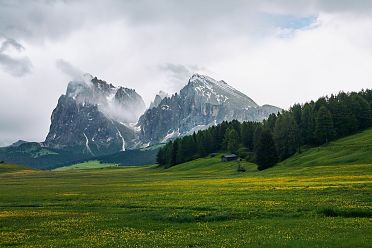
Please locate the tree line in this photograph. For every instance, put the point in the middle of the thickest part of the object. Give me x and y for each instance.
(279, 136)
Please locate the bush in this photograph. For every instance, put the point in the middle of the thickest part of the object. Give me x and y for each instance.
(242, 152)
(250, 157)
(346, 213)
(212, 155)
(241, 169)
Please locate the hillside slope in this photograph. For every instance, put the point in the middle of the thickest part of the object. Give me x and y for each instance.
(202, 203)
(11, 168)
(354, 149)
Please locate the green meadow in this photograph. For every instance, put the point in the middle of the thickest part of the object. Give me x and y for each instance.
(318, 198)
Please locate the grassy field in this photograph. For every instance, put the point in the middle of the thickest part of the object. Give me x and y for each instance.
(319, 198)
(85, 166)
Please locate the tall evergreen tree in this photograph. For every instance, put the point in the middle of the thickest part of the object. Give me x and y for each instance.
(247, 132)
(361, 110)
(322, 101)
(270, 122)
(160, 157)
(308, 124)
(221, 135)
(168, 153)
(296, 111)
(232, 140)
(174, 152)
(266, 155)
(286, 136)
(256, 137)
(324, 130)
(344, 120)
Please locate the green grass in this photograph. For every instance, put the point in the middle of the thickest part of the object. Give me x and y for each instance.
(203, 203)
(85, 166)
(355, 149)
(43, 152)
(6, 168)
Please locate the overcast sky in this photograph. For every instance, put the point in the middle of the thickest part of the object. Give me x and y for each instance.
(276, 52)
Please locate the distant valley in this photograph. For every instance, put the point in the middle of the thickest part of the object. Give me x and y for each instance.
(95, 119)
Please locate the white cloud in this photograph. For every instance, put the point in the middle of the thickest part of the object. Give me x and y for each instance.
(14, 65)
(152, 46)
(70, 70)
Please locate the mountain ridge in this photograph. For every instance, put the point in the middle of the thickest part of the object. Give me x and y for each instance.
(94, 118)
(203, 102)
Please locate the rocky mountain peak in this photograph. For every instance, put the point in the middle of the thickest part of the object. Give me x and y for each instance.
(102, 86)
(216, 92)
(203, 102)
(158, 98)
(18, 143)
(95, 116)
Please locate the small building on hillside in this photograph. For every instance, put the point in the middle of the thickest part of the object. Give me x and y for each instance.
(229, 157)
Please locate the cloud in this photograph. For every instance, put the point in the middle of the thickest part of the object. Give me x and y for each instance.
(42, 20)
(345, 6)
(311, 7)
(264, 48)
(70, 70)
(16, 67)
(179, 74)
(8, 43)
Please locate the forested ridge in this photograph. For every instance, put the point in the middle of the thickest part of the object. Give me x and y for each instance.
(281, 135)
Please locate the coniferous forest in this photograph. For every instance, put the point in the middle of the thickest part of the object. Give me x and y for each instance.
(281, 135)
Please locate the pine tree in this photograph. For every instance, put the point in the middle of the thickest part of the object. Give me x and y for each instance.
(221, 129)
(256, 137)
(247, 132)
(237, 127)
(232, 140)
(160, 157)
(188, 148)
(266, 155)
(181, 152)
(324, 130)
(296, 111)
(361, 110)
(168, 150)
(174, 151)
(308, 124)
(286, 135)
(344, 120)
(270, 122)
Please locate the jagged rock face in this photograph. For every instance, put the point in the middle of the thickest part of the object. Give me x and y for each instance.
(201, 103)
(120, 104)
(129, 105)
(18, 143)
(158, 98)
(93, 118)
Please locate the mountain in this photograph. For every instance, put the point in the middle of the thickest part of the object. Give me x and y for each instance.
(158, 98)
(37, 155)
(95, 118)
(201, 103)
(18, 143)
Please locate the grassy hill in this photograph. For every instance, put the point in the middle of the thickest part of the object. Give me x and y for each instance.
(6, 168)
(319, 198)
(355, 149)
(94, 164)
(35, 155)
